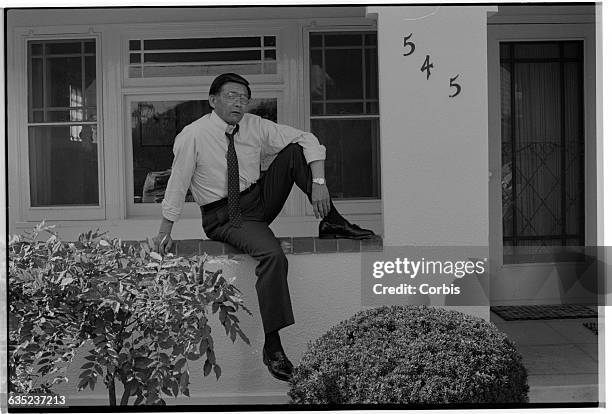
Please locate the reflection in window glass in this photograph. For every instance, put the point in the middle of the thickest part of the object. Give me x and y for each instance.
(155, 124)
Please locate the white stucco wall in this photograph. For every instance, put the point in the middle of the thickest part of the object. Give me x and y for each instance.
(434, 148)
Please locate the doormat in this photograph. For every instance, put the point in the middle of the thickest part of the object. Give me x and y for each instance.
(591, 326)
(530, 312)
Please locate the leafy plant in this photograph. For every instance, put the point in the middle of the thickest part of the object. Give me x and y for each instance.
(142, 319)
(410, 355)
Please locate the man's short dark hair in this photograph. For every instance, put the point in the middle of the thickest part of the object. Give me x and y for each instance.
(221, 80)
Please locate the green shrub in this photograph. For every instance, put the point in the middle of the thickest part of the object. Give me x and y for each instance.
(145, 318)
(410, 355)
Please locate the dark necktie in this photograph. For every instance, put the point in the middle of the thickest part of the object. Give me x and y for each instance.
(233, 180)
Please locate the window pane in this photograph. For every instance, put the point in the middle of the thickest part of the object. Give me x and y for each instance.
(155, 124)
(534, 50)
(572, 50)
(574, 149)
(343, 39)
(344, 108)
(371, 74)
(64, 86)
(38, 116)
(72, 115)
(36, 85)
(270, 41)
(372, 108)
(90, 47)
(352, 162)
(346, 71)
(504, 50)
(134, 44)
(202, 69)
(316, 108)
(203, 43)
(63, 48)
(203, 56)
(270, 54)
(63, 165)
(344, 67)
(35, 48)
(318, 77)
(90, 82)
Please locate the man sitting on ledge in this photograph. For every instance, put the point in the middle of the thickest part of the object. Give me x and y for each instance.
(218, 158)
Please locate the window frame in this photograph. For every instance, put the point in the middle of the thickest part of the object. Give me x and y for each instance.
(203, 30)
(68, 212)
(363, 207)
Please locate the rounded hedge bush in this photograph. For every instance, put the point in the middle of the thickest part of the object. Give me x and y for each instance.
(410, 355)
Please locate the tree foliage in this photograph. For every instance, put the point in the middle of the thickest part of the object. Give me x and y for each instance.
(142, 319)
(412, 355)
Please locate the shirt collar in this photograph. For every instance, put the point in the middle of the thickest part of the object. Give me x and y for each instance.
(217, 120)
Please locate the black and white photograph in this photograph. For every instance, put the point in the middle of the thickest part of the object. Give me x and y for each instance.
(259, 207)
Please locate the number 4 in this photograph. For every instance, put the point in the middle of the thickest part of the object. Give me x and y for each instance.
(427, 67)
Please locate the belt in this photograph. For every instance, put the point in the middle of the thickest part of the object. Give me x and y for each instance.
(223, 201)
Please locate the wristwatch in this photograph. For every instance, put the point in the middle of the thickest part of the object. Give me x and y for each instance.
(320, 181)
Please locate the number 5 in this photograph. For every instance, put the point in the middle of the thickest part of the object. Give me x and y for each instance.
(407, 43)
(456, 86)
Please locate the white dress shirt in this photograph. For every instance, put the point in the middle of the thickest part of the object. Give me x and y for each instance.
(200, 157)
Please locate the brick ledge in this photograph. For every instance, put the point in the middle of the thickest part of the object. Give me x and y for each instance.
(290, 245)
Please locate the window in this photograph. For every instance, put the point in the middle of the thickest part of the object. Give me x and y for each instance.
(248, 55)
(344, 110)
(63, 130)
(155, 124)
(543, 190)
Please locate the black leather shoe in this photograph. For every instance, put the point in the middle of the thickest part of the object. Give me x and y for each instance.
(345, 230)
(278, 364)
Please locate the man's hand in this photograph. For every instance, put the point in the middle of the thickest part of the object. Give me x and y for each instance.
(162, 243)
(320, 200)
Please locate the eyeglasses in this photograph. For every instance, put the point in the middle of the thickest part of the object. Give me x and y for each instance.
(234, 96)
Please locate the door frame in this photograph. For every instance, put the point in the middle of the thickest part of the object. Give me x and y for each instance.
(540, 283)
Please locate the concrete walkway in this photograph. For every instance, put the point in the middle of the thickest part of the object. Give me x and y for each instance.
(561, 357)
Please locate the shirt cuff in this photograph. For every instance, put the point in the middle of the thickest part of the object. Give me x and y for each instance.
(314, 153)
(169, 212)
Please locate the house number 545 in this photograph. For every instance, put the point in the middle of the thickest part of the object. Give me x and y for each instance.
(410, 48)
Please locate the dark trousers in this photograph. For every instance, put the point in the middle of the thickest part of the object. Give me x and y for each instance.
(259, 207)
